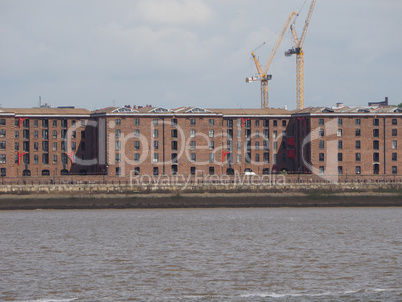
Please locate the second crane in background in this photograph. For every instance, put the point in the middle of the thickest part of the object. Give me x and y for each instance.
(262, 73)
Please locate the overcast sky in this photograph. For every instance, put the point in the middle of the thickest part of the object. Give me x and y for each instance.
(172, 53)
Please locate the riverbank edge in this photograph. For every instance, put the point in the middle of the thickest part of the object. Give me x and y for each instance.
(199, 200)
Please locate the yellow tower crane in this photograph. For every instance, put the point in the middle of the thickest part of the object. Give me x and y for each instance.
(298, 50)
(262, 73)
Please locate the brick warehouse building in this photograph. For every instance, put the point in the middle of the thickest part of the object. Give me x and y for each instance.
(124, 141)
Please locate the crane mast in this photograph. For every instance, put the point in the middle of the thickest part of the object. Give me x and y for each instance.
(298, 51)
(262, 73)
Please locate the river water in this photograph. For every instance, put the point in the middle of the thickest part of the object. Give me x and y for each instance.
(247, 254)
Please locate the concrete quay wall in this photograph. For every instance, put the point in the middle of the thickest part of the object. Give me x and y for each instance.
(95, 196)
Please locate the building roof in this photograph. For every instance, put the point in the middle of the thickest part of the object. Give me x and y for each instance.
(46, 111)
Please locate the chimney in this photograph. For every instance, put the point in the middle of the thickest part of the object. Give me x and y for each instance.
(339, 105)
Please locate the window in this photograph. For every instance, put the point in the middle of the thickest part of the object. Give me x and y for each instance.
(265, 133)
(394, 132)
(394, 121)
(358, 170)
(174, 158)
(156, 145)
(211, 133)
(36, 134)
(55, 123)
(45, 158)
(192, 145)
(358, 145)
(230, 123)
(118, 171)
(2, 145)
(116, 121)
(193, 157)
(155, 122)
(321, 144)
(2, 121)
(211, 170)
(136, 157)
(63, 133)
(83, 134)
(321, 121)
(136, 145)
(211, 157)
(257, 134)
(339, 132)
(357, 132)
(394, 145)
(266, 145)
(283, 123)
(376, 145)
(275, 123)
(16, 134)
(63, 123)
(340, 122)
(257, 123)
(54, 134)
(36, 146)
(73, 146)
(55, 146)
(274, 134)
(238, 122)
(155, 133)
(357, 122)
(321, 170)
(55, 159)
(340, 156)
(2, 158)
(36, 159)
(156, 157)
(266, 157)
(211, 121)
(117, 132)
(192, 170)
(136, 122)
(266, 123)
(376, 157)
(257, 158)
(321, 156)
(16, 146)
(45, 124)
(174, 132)
(192, 133)
(117, 145)
(192, 122)
(118, 157)
(73, 134)
(211, 145)
(174, 122)
(45, 134)
(376, 133)
(2, 133)
(63, 146)
(394, 156)
(275, 146)
(45, 146)
(73, 123)
(394, 170)
(321, 132)
(137, 170)
(257, 146)
(358, 156)
(155, 171)
(340, 170)
(340, 144)
(137, 133)
(376, 122)
(36, 122)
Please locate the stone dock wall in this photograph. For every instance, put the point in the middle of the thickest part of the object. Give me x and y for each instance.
(97, 196)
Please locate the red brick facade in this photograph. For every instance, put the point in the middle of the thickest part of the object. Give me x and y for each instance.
(193, 141)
